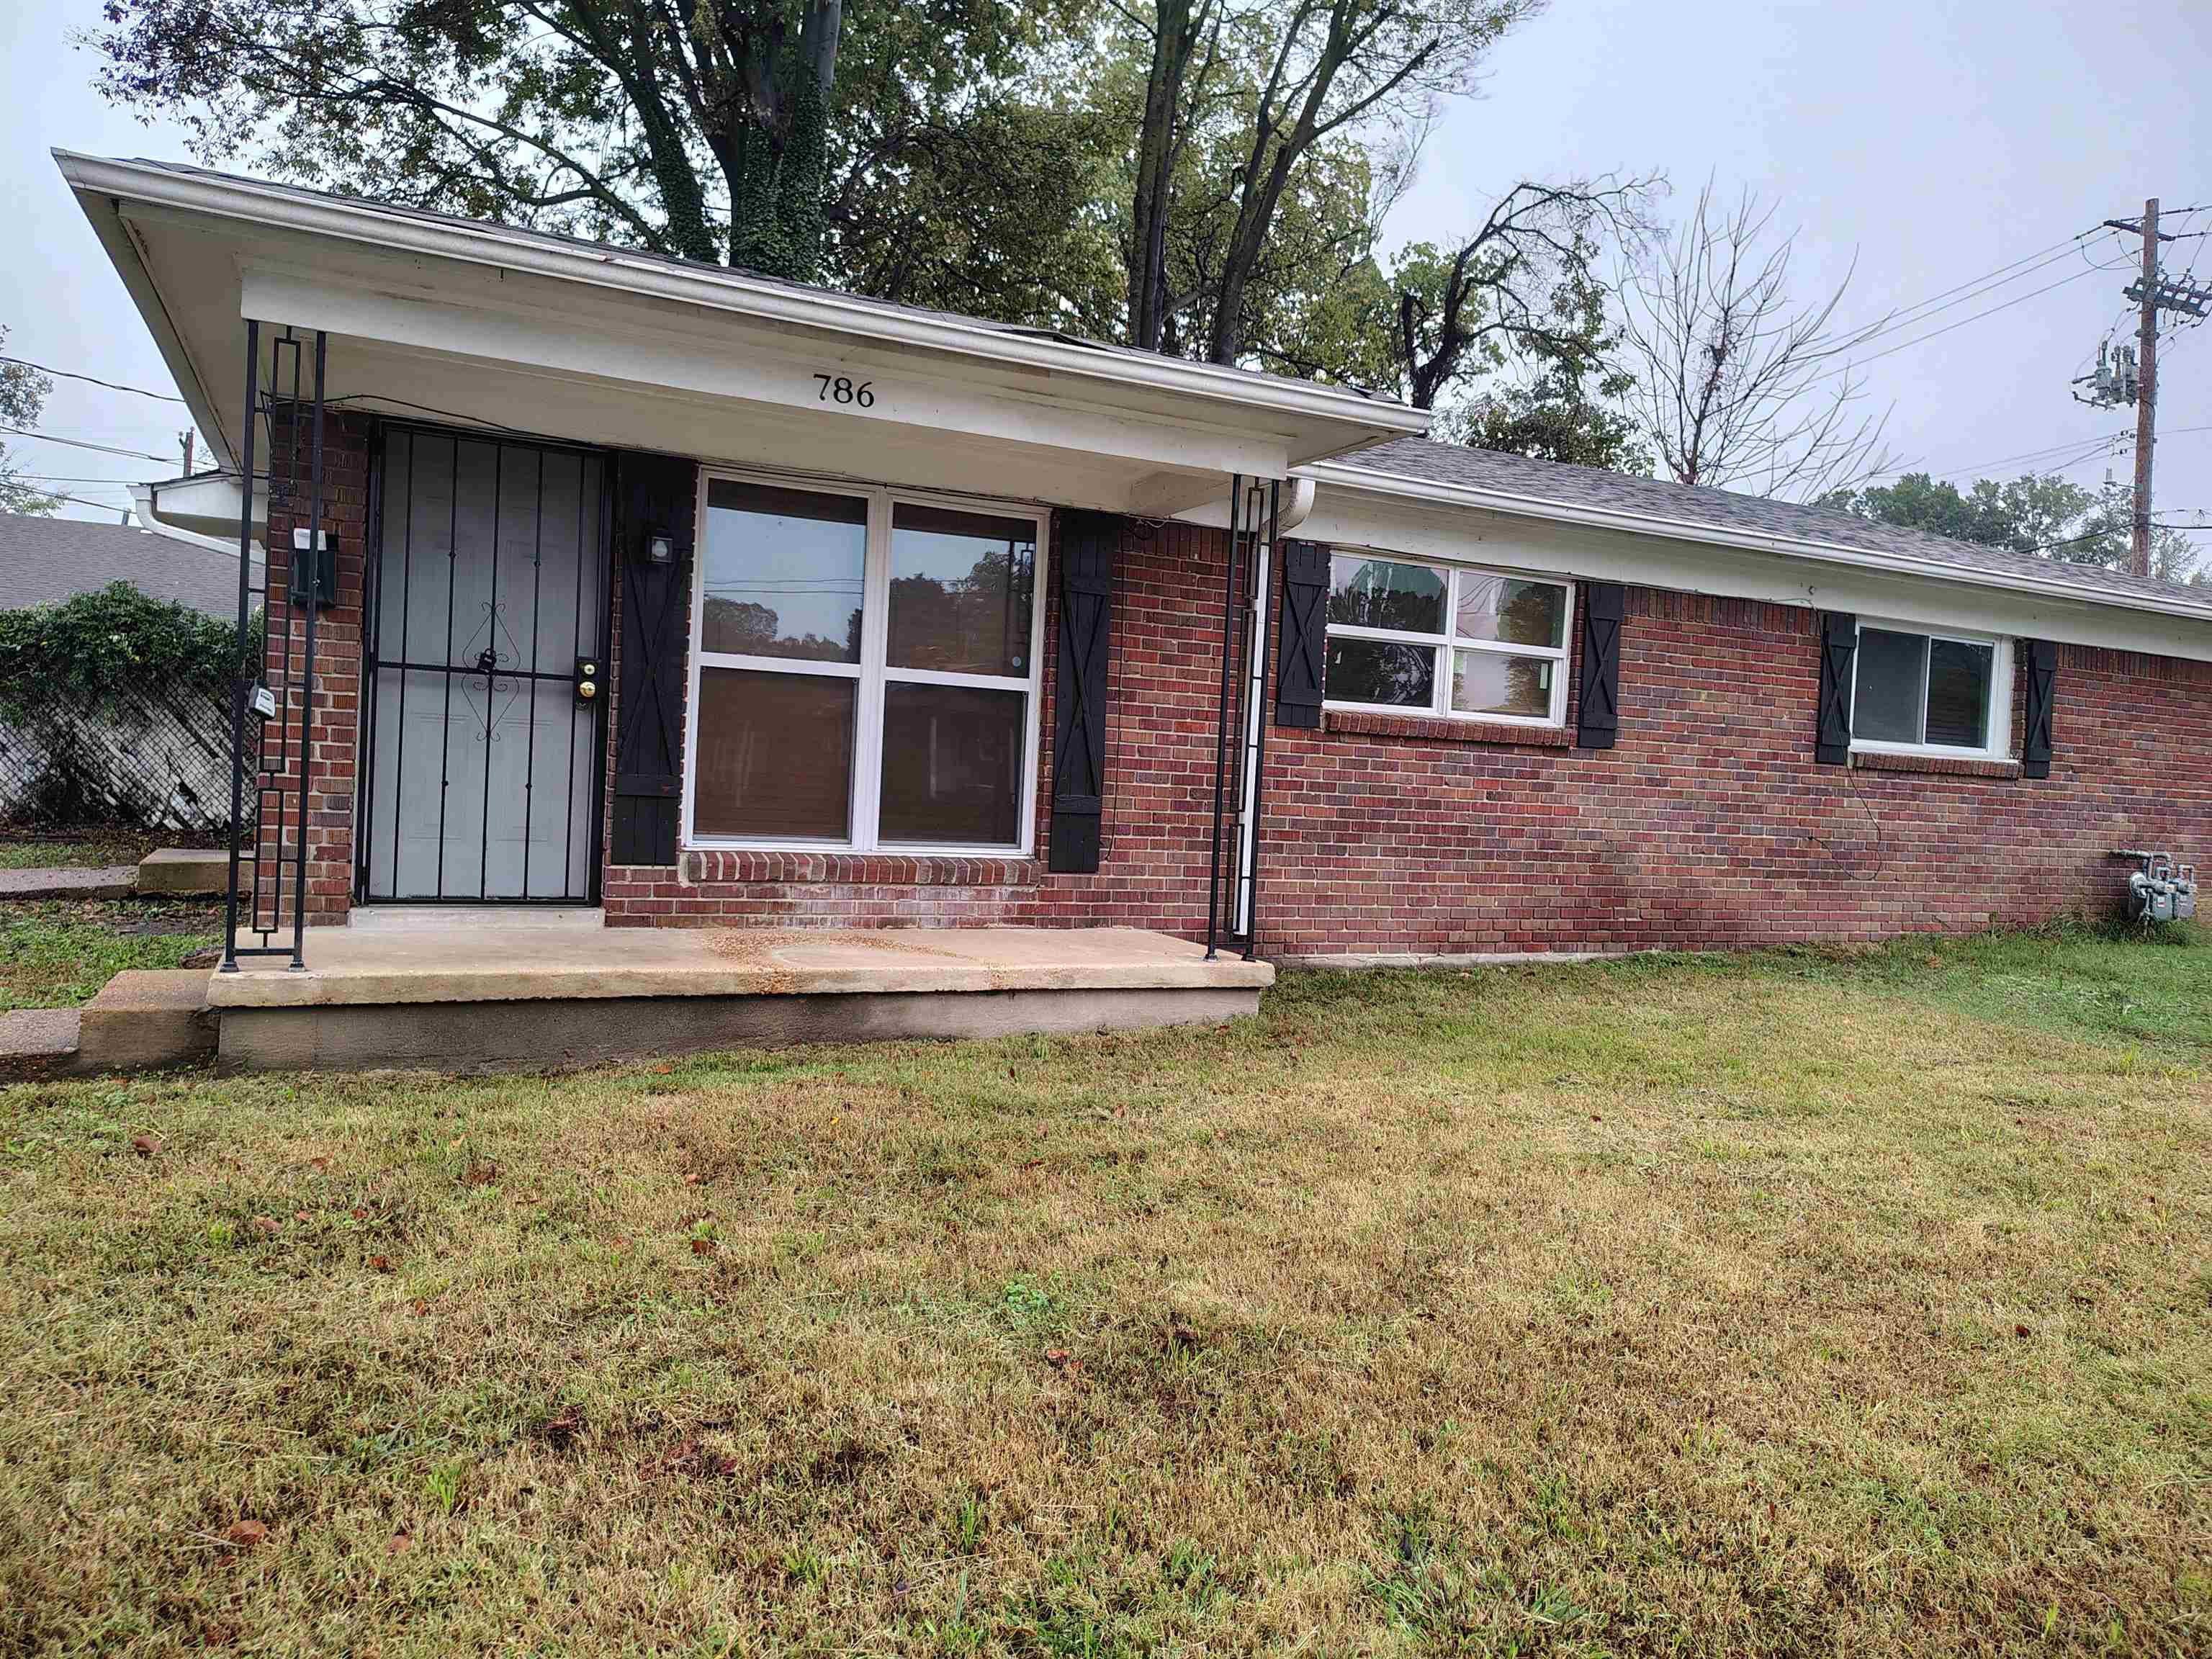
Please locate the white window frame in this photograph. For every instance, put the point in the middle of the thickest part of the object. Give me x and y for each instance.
(1997, 733)
(873, 672)
(1440, 703)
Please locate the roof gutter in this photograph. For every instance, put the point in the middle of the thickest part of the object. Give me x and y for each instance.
(1398, 486)
(372, 225)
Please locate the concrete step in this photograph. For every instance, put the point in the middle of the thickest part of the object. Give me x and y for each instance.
(185, 872)
(147, 1017)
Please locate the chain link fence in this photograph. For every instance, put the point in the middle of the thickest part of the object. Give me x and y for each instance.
(152, 758)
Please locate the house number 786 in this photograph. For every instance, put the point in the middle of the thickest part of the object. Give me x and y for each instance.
(841, 389)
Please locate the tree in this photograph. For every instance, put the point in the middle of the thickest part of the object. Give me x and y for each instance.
(23, 395)
(2031, 513)
(1522, 282)
(764, 133)
(1735, 384)
(1275, 84)
(2040, 513)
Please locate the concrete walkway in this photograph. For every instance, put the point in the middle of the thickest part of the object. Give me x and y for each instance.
(109, 881)
(435, 964)
(38, 1043)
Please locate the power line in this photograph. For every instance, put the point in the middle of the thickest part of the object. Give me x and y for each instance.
(93, 380)
(2006, 305)
(1990, 280)
(80, 443)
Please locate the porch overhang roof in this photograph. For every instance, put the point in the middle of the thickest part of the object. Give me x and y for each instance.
(446, 319)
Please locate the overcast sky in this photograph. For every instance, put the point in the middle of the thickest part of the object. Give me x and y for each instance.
(1935, 142)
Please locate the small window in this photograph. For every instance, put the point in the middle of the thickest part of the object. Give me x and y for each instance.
(1926, 691)
(1441, 640)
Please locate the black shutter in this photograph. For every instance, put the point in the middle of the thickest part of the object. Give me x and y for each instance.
(2042, 687)
(653, 497)
(1304, 633)
(1840, 650)
(1597, 715)
(1087, 543)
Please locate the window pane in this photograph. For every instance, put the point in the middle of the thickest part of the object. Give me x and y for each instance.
(1512, 611)
(952, 764)
(1489, 683)
(775, 753)
(1381, 671)
(1893, 684)
(1378, 593)
(784, 572)
(1959, 692)
(961, 584)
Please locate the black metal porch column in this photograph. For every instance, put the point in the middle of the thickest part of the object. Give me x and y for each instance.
(1255, 671)
(261, 739)
(1221, 739)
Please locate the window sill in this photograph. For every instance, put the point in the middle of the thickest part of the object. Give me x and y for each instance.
(1435, 729)
(1946, 766)
(702, 865)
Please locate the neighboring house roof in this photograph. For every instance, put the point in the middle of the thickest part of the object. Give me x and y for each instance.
(43, 561)
(1423, 461)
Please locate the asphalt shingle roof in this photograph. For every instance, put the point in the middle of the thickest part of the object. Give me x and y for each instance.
(45, 560)
(1428, 461)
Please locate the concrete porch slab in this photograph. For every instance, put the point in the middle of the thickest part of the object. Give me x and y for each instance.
(483, 999)
(438, 964)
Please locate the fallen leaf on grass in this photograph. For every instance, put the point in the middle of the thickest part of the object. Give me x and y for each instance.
(267, 1227)
(246, 1533)
(481, 1173)
(400, 1543)
(379, 1264)
(1065, 1362)
(146, 1146)
(702, 1247)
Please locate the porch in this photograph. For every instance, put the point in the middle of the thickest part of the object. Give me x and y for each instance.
(488, 993)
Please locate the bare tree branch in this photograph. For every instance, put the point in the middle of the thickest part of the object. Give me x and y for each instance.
(1736, 386)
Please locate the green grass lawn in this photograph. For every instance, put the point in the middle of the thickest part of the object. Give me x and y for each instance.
(1796, 1303)
(57, 953)
(94, 853)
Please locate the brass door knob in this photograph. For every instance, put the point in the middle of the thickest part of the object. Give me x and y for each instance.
(588, 689)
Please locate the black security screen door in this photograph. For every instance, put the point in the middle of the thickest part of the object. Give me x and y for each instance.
(487, 609)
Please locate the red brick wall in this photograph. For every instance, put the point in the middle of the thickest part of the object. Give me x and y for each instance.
(335, 723)
(1708, 824)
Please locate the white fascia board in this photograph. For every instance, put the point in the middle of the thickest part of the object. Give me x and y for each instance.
(1361, 507)
(657, 356)
(1344, 419)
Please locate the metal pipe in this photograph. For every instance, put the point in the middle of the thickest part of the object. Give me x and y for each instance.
(1221, 741)
(307, 662)
(238, 688)
(1267, 577)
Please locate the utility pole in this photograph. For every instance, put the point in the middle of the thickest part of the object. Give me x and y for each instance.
(185, 438)
(2147, 402)
(2153, 294)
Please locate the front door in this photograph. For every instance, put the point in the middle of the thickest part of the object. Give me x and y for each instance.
(487, 614)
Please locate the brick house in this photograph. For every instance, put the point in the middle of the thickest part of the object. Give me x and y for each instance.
(703, 599)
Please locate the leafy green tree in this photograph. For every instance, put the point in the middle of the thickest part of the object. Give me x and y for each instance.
(1237, 103)
(2036, 512)
(769, 134)
(23, 395)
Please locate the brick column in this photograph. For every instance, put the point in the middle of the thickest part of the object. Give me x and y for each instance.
(335, 726)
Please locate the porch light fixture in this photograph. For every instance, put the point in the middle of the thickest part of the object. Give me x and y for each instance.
(661, 548)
